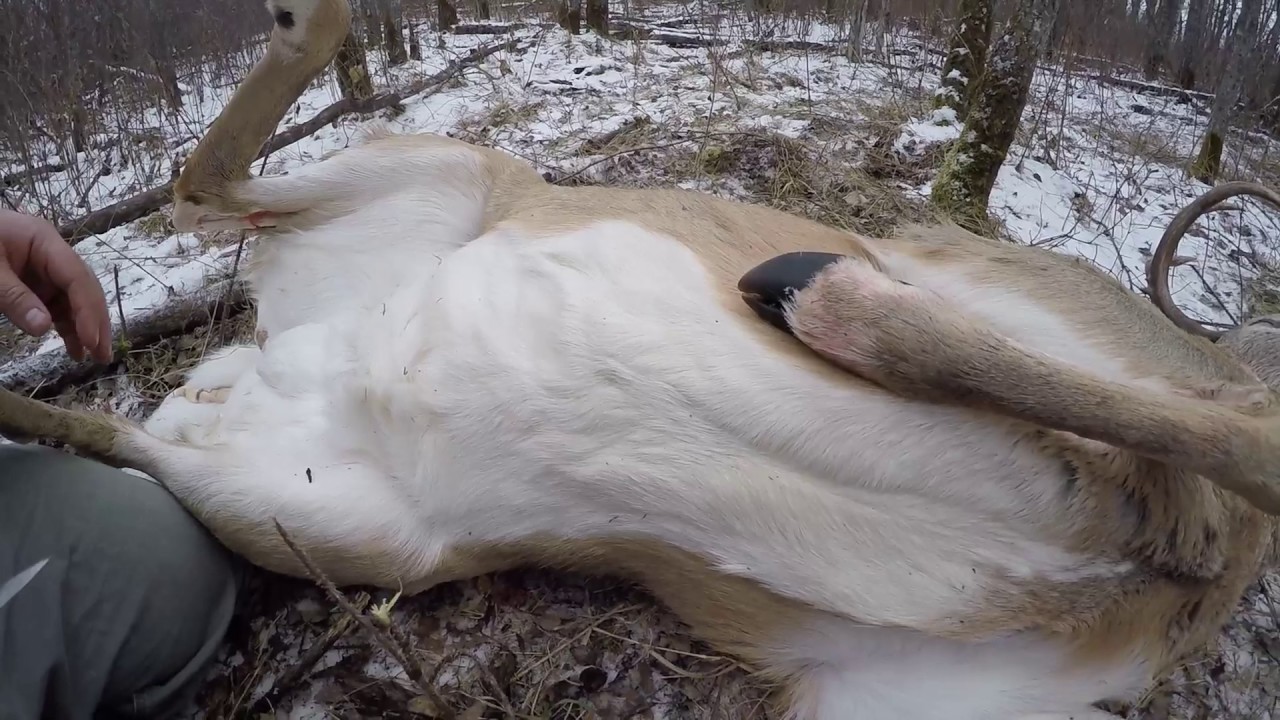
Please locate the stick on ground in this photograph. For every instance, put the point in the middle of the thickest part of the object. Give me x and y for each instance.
(402, 655)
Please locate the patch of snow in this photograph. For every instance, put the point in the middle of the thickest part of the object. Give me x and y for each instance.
(942, 125)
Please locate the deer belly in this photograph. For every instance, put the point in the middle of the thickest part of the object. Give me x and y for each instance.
(592, 385)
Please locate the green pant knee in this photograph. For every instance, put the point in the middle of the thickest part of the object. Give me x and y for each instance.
(130, 605)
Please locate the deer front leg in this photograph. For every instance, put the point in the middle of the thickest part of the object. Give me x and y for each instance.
(910, 342)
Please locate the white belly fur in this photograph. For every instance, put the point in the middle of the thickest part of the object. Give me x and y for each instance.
(590, 385)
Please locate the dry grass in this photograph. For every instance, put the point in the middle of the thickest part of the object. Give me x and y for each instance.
(526, 644)
(1146, 144)
(15, 343)
(882, 122)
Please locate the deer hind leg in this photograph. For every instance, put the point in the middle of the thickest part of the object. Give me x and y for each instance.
(912, 342)
(212, 379)
(344, 512)
(284, 448)
(192, 411)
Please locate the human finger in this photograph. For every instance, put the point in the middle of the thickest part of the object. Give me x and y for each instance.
(20, 304)
(67, 330)
(71, 278)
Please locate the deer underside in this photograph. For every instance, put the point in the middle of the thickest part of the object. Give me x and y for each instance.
(443, 394)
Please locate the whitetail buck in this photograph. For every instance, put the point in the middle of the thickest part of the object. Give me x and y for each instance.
(1008, 489)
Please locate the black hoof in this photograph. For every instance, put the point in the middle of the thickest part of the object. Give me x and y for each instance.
(769, 285)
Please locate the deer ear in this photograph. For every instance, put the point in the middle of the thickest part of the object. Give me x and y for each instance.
(767, 287)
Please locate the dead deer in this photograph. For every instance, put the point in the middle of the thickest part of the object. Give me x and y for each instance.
(972, 480)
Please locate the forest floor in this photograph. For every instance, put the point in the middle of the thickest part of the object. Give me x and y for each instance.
(1097, 171)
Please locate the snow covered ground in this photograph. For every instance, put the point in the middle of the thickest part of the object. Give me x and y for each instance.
(1097, 170)
(1080, 180)
(1074, 181)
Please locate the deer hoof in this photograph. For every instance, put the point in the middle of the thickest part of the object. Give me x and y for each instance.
(769, 286)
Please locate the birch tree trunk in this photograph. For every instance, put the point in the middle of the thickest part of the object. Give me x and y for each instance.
(1208, 162)
(970, 41)
(963, 187)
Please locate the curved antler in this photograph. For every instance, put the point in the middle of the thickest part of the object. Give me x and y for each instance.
(1163, 260)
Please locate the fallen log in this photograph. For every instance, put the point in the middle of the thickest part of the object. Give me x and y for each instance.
(1147, 88)
(147, 202)
(116, 214)
(486, 28)
(49, 373)
(16, 177)
(678, 39)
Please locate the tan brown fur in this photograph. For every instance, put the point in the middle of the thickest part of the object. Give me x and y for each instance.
(23, 419)
(1097, 306)
(1196, 546)
(253, 112)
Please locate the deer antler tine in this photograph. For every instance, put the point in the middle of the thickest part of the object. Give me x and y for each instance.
(1165, 258)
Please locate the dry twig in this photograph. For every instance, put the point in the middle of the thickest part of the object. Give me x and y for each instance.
(290, 678)
(404, 656)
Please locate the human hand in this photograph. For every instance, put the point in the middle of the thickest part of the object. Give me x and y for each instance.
(45, 285)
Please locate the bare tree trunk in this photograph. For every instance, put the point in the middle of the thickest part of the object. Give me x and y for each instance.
(1192, 49)
(392, 36)
(970, 41)
(169, 80)
(963, 187)
(79, 126)
(1208, 162)
(1161, 39)
(353, 70)
(1271, 111)
(597, 12)
(1222, 22)
(446, 14)
(857, 13)
(415, 46)
(482, 9)
(569, 16)
(372, 28)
